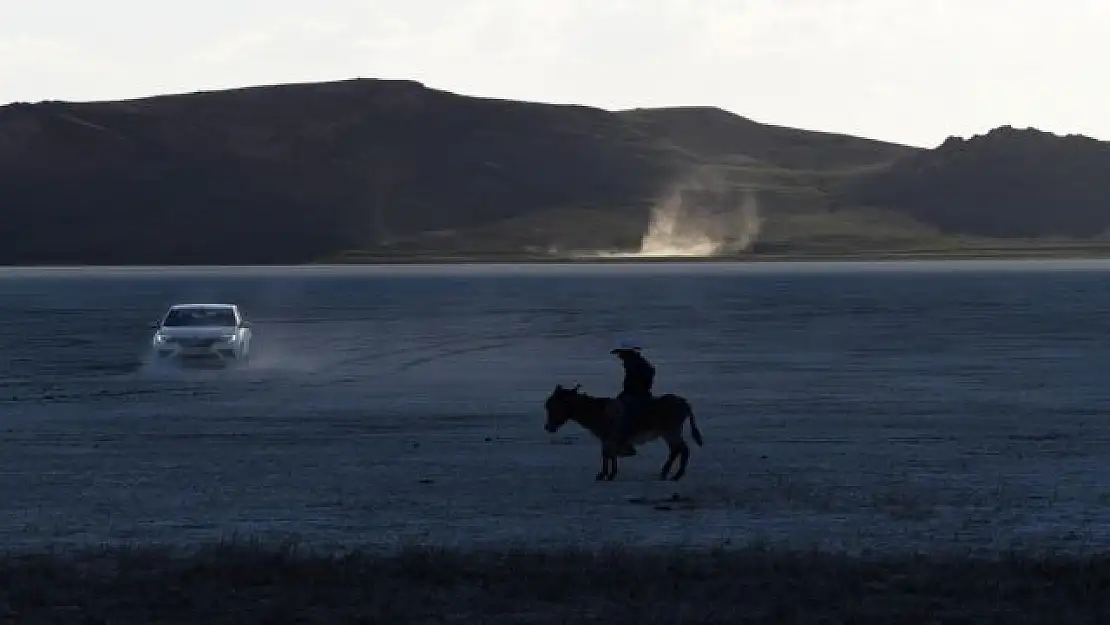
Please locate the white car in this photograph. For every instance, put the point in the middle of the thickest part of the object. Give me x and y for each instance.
(213, 333)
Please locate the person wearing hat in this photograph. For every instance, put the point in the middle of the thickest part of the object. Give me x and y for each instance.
(639, 376)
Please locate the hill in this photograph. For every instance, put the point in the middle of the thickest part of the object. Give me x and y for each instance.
(1007, 183)
(290, 173)
(363, 169)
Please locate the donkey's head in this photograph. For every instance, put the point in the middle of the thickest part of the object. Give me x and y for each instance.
(559, 406)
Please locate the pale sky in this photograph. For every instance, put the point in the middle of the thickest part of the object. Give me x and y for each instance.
(910, 71)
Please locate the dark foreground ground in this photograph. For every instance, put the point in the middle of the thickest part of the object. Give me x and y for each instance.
(251, 584)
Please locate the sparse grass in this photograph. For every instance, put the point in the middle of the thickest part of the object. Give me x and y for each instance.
(842, 235)
(841, 252)
(256, 584)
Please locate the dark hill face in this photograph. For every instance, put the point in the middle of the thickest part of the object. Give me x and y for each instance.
(291, 173)
(1006, 183)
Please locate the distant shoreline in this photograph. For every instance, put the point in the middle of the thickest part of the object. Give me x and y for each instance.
(1032, 252)
(760, 258)
(1059, 251)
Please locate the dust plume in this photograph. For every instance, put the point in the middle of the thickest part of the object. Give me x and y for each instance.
(680, 227)
(701, 217)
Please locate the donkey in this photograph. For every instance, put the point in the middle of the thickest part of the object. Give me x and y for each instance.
(662, 418)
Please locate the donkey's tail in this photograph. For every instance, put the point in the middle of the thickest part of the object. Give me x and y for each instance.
(693, 424)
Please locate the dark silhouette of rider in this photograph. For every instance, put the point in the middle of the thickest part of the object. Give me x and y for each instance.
(635, 395)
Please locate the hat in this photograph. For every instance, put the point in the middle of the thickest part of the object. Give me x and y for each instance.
(626, 345)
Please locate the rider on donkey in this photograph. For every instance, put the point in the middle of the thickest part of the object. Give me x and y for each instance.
(635, 396)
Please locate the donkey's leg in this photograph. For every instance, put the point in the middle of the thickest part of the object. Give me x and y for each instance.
(604, 468)
(612, 468)
(674, 447)
(683, 458)
(672, 455)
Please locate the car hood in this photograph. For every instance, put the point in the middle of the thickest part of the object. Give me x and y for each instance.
(210, 332)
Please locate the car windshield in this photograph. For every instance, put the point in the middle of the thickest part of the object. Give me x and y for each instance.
(179, 317)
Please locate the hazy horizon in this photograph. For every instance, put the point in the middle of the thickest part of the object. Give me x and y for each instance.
(900, 71)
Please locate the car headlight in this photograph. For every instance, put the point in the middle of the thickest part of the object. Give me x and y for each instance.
(160, 338)
(231, 338)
